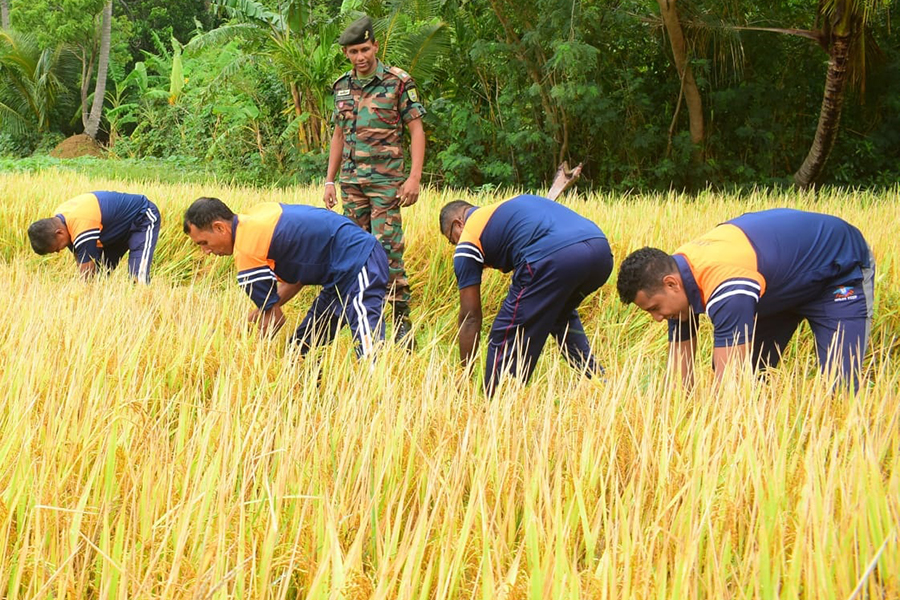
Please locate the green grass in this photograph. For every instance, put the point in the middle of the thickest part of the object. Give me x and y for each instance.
(173, 170)
(151, 446)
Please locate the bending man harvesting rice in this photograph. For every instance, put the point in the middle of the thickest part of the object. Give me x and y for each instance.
(756, 277)
(558, 258)
(279, 248)
(99, 228)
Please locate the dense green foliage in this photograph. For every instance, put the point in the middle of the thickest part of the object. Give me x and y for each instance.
(512, 88)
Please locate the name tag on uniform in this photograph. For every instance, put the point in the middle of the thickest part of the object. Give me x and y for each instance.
(342, 93)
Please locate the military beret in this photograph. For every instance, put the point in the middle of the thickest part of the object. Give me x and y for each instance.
(358, 32)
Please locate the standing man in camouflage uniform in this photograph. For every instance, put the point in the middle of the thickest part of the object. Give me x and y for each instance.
(372, 102)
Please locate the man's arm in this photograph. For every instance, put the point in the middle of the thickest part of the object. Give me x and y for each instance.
(681, 358)
(286, 291)
(409, 191)
(334, 163)
(726, 358)
(85, 235)
(268, 321)
(271, 320)
(469, 323)
(87, 269)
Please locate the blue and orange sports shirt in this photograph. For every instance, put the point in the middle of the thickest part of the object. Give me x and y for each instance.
(764, 263)
(523, 229)
(296, 244)
(99, 218)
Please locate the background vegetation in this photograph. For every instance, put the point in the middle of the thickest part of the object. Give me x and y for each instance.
(151, 446)
(650, 95)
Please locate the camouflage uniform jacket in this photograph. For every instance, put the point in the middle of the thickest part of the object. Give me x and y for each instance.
(372, 119)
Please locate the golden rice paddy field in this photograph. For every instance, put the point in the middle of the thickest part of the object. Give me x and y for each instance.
(152, 446)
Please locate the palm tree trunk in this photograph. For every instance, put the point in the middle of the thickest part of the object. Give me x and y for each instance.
(4, 14)
(93, 124)
(87, 70)
(829, 114)
(689, 84)
(298, 110)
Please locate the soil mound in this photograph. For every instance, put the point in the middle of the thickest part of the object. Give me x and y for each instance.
(77, 145)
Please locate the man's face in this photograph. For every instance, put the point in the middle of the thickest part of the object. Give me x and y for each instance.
(671, 302)
(362, 56)
(215, 240)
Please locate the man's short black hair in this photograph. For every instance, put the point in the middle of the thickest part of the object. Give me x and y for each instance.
(643, 271)
(449, 212)
(42, 235)
(204, 211)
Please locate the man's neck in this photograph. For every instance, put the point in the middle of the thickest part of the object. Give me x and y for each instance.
(367, 76)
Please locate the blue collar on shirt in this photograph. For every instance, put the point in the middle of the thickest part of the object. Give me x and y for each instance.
(469, 213)
(71, 245)
(234, 226)
(690, 284)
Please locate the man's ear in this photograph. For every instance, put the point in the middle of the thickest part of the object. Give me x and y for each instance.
(219, 227)
(671, 282)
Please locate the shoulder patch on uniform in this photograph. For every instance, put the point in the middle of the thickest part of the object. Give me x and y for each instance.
(399, 73)
(341, 93)
(413, 94)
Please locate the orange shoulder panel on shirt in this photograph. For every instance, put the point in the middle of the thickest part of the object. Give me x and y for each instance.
(254, 236)
(82, 213)
(722, 254)
(476, 223)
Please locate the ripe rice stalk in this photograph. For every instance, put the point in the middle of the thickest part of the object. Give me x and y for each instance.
(152, 446)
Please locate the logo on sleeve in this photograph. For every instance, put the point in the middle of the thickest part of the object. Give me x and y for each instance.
(845, 294)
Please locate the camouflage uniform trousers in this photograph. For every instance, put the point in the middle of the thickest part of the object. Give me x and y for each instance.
(376, 208)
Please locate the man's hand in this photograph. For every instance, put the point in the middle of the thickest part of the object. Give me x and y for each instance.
(335, 150)
(87, 269)
(409, 192)
(728, 359)
(681, 360)
(330, 196)
(268, 321)
(463, 378)
(564, 178)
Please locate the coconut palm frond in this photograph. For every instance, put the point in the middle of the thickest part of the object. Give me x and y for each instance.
(386, 30)
(719, 42)
(33, 80)
(13, 120)
(866, 57)
(220, 36)
(423, 48)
